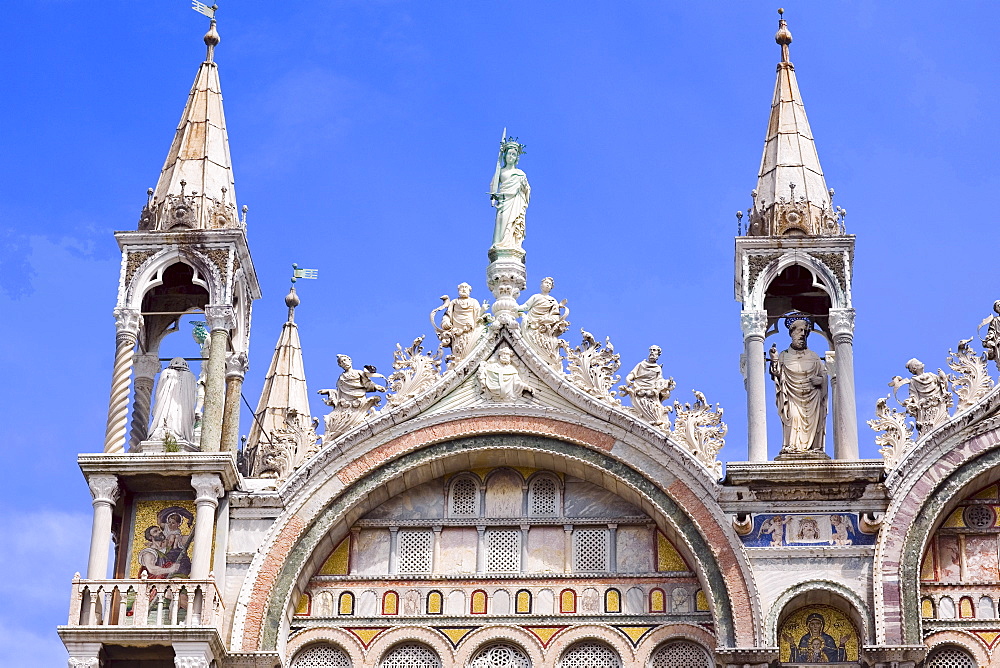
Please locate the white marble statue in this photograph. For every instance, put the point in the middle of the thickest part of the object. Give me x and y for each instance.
(509, 193)
(173, 407)
(461, 323)
(800, 389)
(648, 389)
(501, 380)
(350, 400)
(991, 343)
(544, 322)
(929, 399)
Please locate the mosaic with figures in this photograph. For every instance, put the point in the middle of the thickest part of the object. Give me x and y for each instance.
(773, 530)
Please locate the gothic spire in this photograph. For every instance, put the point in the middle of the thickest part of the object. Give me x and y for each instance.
(791, 195)
(196, 188)
(283, 409)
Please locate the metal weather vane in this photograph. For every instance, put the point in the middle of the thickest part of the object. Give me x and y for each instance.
(202, 8)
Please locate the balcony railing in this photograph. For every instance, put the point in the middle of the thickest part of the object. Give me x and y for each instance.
(146, 603)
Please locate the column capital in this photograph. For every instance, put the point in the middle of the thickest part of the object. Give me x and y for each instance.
(104, 488)
(146, 365)
(207, 486)
(220, 317)
(753, 323)
(842, 324)
(237, 365)
(127, 321)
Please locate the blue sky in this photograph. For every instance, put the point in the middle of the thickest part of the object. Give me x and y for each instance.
(363, 137)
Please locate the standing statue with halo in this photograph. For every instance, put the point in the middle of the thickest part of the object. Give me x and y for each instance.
(509, 194)
(800, 384)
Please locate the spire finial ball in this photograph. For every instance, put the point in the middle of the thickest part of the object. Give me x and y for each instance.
(292, 298)
(212, 37)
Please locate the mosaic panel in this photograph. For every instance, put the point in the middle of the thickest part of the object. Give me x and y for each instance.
(818, 634)
(806, 529)
(161, 538)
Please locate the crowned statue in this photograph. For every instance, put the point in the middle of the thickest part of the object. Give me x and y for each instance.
(800, 390)
(509, 194)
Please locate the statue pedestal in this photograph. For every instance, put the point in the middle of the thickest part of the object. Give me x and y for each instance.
(807, 456)
(505, 277)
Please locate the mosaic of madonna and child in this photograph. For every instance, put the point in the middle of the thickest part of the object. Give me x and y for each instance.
(801, 529)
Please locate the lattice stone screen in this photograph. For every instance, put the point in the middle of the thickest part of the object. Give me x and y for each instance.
(501, 655)
(950, 657)
(542, 498)
(414, 551)
(411, 655)
(464, 500)
(590, 547)
(590, 654)
(503, 550)
(680, 654)
(322, 656)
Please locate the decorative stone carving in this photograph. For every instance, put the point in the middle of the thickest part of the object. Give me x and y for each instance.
(500, 379)
(174, 405)
(505, 277)
(509, 194)
(800, 383)
(897, 437)
(237, 365)
(836, 263)
(415, 371)
(842, 324)
(350, 400)
(544, 322)
(128, 321)
(207, 487)
(699, 428)
(295, 442)
(753, 324)
(104, 488)
(134, 260)
(220, 316)
(592, 367)
(973, 381)
(648, 389)
(755, 265)
(991, 344)
(928, 400)
(461, 324)
(84, 662)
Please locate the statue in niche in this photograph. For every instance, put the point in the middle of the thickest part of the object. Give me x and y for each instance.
(460, 323)
(929, 399)
(544, 322)
(648, 389)
(509, 194)
(501, 380)
(350, 400)
(800, 390)
(992, 341)
(173, 408)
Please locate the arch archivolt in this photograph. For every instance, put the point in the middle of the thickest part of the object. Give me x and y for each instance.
(967, 641)
(339, 637)
(566, 639)
(488, 635)
(851, 604)
(657, 637)
(823, 276)
(320, 512)
(149, 275)
(937, 477)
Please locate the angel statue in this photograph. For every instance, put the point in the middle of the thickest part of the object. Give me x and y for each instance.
(545, 321)
(992, 341)
(509, 194)
(929, 398)
(460, 323)
(350, 400)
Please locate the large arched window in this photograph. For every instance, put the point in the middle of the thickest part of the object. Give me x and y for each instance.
(950, 656)
(501, 655)
(590, 654)
(411, 655)
(680, 654)
(463, 497)
(322, 656)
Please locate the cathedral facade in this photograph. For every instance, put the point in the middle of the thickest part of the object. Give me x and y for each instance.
(505, 498)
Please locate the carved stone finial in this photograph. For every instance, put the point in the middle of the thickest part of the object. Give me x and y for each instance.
(592, 367)
(700, 429)
(415, 371)
(278, 454)
(973, 381)
(897, 437)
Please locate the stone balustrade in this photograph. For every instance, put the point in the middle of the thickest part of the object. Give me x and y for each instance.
(145, 603)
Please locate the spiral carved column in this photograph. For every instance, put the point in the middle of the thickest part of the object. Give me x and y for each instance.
(127, 322)
(146, 368)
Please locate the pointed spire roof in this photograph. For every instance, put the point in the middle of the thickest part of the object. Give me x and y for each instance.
(196, 189)
(284, 385)
(791, 195)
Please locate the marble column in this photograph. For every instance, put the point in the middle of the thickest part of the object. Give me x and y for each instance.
(146, 368)
(208, 488)
(127, 323)
(845, 409)
(220, 320)
(393, 550)
(481, 550)
(567, 548)
(236, 369)
(613, 548)
(436, 550)
(104, 489)
(754, 325)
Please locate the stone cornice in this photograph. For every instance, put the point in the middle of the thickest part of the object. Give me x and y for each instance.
(168, 464)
